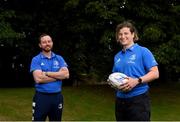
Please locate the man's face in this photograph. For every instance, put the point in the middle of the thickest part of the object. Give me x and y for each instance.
(46, 43)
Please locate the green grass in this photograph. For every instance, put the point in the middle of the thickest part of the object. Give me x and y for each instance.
(166, 102)
(15, 103)
(89, 103)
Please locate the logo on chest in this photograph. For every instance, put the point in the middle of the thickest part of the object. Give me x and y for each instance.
(42, 64)
(132, 59)
(55, 64)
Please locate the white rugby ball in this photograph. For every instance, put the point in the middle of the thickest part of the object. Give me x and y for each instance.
(116, 79)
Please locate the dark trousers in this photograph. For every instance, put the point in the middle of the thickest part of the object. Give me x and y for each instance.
(133, 109)
(47, 105)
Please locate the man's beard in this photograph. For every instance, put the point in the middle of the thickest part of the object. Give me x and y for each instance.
(47, 49)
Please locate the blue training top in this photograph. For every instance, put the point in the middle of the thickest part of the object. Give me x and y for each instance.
(53, 64)
(135, 62)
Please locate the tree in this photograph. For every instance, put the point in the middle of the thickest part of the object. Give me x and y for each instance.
(7, 33)
(84, 31)
(95, 22)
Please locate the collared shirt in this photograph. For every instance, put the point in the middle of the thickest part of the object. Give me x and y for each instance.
(53, 64)
(135, 62)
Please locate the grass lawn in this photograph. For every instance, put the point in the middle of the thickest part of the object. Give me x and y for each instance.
(89, 103)
(165, 102)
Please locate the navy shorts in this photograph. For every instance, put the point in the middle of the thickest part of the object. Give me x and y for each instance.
(47, 105)
(133, 109)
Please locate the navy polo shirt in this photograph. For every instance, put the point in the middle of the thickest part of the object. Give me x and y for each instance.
(135, 62)
(53, 64)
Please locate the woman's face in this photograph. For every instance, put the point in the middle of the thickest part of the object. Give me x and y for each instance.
(125, 37)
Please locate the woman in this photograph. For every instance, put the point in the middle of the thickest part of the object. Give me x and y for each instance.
(139, 64)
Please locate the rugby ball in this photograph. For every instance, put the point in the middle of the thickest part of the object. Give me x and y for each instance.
(116, 79)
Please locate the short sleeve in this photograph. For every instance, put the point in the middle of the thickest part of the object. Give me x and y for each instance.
(35, 65)
(62, 62)
(148, 59)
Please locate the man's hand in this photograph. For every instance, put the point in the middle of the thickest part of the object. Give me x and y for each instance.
(40, 77)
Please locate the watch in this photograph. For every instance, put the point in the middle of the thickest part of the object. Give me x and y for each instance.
(140, 80)
(46, 73)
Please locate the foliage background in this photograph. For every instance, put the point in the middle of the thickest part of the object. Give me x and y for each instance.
(84, 34)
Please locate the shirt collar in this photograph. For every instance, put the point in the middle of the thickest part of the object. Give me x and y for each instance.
(43, 56)
(131, 48)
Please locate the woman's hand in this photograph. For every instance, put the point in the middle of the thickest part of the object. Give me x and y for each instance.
(129, 84)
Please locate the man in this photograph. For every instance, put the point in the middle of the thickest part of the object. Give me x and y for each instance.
(48, 69)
